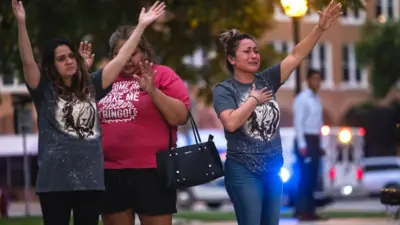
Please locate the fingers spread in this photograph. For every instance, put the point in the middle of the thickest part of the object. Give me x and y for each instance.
(160, 7)
(136, 77)
(141, 67)
(143, 11)
(89, 48)
(153, 74)
(154, 6)
(330, 6)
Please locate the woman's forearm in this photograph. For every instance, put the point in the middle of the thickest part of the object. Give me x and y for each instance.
(301, 50)
(173, 110)
(24, 45)
(233, 120)
(30, 68)
(299, 53)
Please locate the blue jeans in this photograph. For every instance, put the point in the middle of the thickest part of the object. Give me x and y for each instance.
(256, 198)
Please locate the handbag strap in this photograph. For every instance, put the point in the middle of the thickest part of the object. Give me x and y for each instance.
(194, 129)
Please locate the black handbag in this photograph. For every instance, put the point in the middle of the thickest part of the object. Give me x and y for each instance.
(191, 165)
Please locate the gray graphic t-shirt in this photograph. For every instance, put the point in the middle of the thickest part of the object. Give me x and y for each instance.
(70, 155)
(257, 144)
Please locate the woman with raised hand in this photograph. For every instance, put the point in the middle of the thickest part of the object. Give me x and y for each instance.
(249, 112)
(70, 159)
(145, 106)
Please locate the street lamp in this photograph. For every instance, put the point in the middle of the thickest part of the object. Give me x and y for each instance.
(295, 9)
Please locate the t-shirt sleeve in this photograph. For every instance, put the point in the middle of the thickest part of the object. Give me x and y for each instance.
(223, 99)
(273, 75)
(173, 86)
(38, 93)
(97, 80)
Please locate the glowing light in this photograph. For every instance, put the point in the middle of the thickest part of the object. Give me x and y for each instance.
(346, 190)
(285, 175)
(361, 131)
(345, 136)
(295, 8)
(325, 130)
(382, 19)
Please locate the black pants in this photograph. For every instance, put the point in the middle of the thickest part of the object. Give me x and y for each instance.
(57, 207)
(309, 170)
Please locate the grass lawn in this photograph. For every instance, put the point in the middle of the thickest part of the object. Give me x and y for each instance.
(207, 216)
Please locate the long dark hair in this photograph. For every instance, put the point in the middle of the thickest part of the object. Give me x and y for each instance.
(81, 87)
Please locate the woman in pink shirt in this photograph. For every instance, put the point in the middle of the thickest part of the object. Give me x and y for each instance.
(145, 102)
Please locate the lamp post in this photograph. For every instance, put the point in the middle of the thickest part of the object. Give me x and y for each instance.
(295, 9)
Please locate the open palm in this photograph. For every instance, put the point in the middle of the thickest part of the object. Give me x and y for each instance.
(330, 14)
(146, 80)
(152, 14)
(18, 10)
(85, 49)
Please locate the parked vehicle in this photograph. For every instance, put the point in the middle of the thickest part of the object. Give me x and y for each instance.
(381, 172)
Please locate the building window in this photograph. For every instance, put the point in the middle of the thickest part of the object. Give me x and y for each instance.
(320, 58)
(353, 16)
(386, 10)
(353, 76)
(285, 48)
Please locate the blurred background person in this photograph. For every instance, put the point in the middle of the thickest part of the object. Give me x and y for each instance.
(308, 120)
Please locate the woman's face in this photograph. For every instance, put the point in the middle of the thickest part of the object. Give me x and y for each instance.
(247, 57)
(65, 61)
(131, 66)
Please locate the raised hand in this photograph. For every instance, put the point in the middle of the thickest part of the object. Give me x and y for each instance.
(261, 95)
(18, 10)
(146, 18)
(146, 81)
(330, 14)
(85, 49)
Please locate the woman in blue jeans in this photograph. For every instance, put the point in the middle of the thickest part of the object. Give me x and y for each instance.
(249, 112)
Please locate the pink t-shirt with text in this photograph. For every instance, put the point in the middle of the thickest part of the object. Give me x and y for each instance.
(133, 129)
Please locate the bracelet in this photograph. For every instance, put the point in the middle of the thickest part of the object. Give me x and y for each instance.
(251, 96)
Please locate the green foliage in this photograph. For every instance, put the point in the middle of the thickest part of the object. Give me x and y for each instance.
(379, 48)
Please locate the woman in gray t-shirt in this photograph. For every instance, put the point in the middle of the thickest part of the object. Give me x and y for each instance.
(70, 159)
(249, 112)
